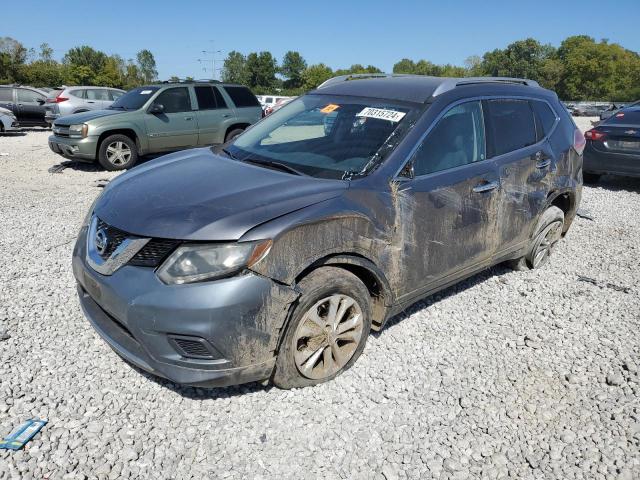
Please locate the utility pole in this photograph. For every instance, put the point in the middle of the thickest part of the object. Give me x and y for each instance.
(206, 53)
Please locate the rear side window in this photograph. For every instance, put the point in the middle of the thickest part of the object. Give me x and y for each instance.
(78, 93)
(114, 94)
(206, 99)
(456, 140)
(511, 125)
(219, 98)
(545, 118)
(624, 118)
(6, 95)
(97, 94)
(29, 96)
(174, 100)
(242, 97)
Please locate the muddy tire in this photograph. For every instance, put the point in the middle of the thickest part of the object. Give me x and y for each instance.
(590, 177)
(546, 235)
(117, 152)
(327, 330)
(233, 134)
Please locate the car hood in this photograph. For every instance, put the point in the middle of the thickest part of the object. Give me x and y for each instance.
(198, 195)
(83, 117)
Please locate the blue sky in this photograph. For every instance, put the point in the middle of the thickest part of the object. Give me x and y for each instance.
(338, 33)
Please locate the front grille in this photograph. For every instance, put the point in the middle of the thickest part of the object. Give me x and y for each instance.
(61, 131)
(151, 255)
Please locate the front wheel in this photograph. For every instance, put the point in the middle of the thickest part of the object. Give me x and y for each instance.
(117, 152)
(233, 134)
(547, 234)
(328, 329)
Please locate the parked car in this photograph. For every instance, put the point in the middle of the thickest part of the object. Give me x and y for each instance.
(278, 105)
(268, 101)
(614, 146)
(589, 110)
(69, 100)
(616, 108)
(8, 121)
(156, 118)
(26, 103)
(273, 256)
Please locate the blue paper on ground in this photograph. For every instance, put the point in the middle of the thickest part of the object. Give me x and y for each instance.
(20, 435)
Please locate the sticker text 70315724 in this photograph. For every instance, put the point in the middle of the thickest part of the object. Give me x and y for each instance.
(381, 114)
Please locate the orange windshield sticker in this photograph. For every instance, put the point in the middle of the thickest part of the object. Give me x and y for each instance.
(330, 108)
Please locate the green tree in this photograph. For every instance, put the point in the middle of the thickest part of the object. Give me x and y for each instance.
(87, 57)
(46, 53)
(293, 65)
(234, 69)
(315, 75)
(261, 70)
(13, 55)
(147, 65)
(521, 59)
(405, 65)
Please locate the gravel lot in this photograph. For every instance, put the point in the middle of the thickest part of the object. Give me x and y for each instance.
(508, 375)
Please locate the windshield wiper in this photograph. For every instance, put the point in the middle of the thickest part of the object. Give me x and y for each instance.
(229, 154)
(275, 165)
(116, 108)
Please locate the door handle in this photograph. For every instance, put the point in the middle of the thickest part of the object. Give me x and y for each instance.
(485, 187)
(188, 118)
(90, 101)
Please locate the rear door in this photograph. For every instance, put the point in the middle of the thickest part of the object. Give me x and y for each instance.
(30, 106)
(448, 208)
(97, 98)
(525, 164)
(177, 126)
(214, 115)
(7, 100)
(247, 106)
(622, 142)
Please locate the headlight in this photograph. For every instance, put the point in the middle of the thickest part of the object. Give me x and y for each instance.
(194, 263)
(78, 131)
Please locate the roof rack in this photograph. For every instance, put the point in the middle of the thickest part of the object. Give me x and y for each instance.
(182, 80)
(360, 76)
(451, 83)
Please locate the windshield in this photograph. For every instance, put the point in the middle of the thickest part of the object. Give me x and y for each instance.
(134, 99)
(326, 136)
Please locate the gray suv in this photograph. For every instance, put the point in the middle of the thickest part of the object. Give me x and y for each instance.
(69, 100)
(273, 256)
(154, 119)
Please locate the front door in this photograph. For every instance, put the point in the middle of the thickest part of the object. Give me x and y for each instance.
(449, 208)
(30, 107)
(177, 126)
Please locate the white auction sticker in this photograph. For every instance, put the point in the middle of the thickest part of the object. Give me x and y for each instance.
(145, 92)
(381, 114)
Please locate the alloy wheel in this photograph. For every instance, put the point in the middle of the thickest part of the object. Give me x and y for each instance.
(547, 239)
(118, 153)
(327, 336)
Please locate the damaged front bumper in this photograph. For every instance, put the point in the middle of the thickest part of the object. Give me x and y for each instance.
(208, 334)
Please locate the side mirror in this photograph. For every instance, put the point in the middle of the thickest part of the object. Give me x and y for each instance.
(156, 109)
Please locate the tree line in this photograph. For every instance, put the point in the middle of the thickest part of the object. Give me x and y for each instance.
(81, 65)
(581, 68)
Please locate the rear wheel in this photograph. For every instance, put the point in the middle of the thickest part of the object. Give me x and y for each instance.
(547, 234)
(328, 329)
(590, 177)
(233, 134)
(117, 152)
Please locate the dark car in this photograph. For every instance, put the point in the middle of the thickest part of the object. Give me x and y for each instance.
(614, 146)
(615, 108)
(274, 255)
(26, 103)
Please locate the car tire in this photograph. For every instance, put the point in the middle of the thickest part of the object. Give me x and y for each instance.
(233, 134)
(318, 346)
(547, 234)
(590, 177)
(117, 152)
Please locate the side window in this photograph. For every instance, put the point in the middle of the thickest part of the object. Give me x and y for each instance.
(242, 97)
(174, 100)
(268, 100)
(6, 95)
(219, 98)
(97, 94)
(28, 96)
(78, 93)
(511, 124)
(114, 94)
(206, 99)
(457, 139)
(545, 118)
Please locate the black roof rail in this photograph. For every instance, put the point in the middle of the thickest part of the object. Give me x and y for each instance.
(451, 83)
(182, 80)
(360, 76)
